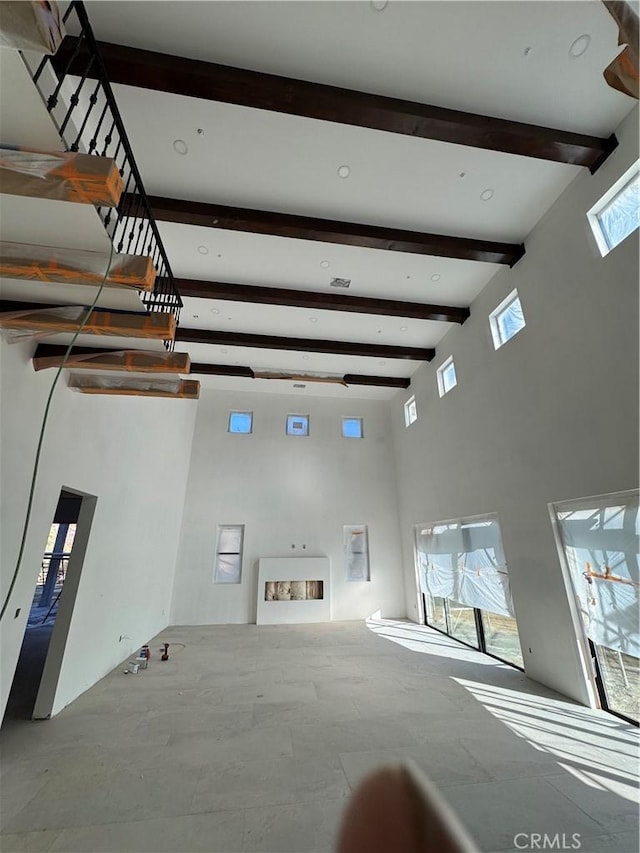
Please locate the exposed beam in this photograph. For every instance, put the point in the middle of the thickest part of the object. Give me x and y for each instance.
(75, 266)
(94, 358)
(386, 381)
(347, 379)
(183, 389)
(49, 319)
(60, 175)
(238, 339)
(318, 301)
(221, 369)
(198, 79)
(330, 231)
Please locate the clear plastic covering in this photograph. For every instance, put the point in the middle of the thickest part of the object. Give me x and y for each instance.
(75, 266)
(60, 175)
(158, 325)
(464, 562)
(134, 386)
(131, 361)
(31, 26)
(600, 538)
(356, 552)
(15, 324)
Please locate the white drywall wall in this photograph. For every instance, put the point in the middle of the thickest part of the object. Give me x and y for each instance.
(288, 490)
(551, 415)
(133, 454)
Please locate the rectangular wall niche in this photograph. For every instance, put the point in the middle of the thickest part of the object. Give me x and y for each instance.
(293, 590)
(356, 552)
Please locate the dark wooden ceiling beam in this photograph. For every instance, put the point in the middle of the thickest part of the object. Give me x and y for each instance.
(206, 369)
(239, 339)
(209, 81)
(330, 231)
(318, 301)
(384, 381)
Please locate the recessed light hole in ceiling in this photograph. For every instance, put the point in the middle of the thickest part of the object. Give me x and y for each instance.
(527, 50)
(379, 5)
(436, 276)
(200, 131)
(180, 146)
(324, 264)
(203, 250)
(344, 171)
(486, 195)
(580, 46)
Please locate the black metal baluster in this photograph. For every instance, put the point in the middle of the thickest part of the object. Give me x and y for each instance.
(75, 98)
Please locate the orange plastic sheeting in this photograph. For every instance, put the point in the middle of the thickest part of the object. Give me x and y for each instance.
(75, 266)
(186, 389)
(60, 176)
(131, 361)
(31, 26)
(622, 74)
(157, 326)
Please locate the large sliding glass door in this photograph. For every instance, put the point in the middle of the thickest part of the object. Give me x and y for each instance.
(465, 583)
(598, 539)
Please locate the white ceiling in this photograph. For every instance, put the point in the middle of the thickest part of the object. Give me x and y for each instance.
(505, 59)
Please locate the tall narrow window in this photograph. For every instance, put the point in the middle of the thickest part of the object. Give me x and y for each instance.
(410, 411)
(507, 320)
(228, 567)
(617, 213)
(356, 552)
(446, 374)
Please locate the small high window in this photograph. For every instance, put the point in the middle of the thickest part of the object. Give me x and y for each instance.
(241, 422)
(352, 428)
(446, 374)
(617, 213)
(297, 424)
(228, 568)
(507, 320)
(410, 411)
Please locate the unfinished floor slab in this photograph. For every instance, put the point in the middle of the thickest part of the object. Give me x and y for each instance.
(251, 738)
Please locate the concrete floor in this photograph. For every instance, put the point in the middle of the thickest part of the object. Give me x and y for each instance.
(250, 739)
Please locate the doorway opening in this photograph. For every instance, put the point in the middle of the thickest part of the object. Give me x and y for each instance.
(49, 602)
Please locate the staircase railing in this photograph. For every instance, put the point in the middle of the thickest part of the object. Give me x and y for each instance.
(84, 110)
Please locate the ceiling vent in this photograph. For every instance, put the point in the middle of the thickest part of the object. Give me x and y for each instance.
(298, 385)
(340, 282)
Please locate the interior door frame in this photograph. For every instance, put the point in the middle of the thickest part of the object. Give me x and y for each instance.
(45, 699)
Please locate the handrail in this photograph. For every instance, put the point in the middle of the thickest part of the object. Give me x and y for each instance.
(131, 225)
